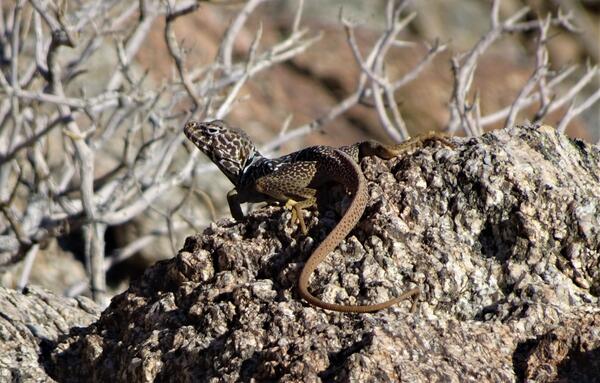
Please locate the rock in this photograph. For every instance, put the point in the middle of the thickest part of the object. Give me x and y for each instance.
(30, 323)
(502, 234)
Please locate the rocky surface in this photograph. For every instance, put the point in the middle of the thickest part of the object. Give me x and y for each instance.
(30, 323)
(502, 234)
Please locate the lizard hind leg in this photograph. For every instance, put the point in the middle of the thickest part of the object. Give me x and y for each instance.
(289, 185)
(374, 148)
(296, 208)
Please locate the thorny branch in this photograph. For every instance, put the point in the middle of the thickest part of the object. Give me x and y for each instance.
(93, 159)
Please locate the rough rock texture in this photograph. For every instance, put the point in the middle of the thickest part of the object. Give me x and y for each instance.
(502, 234)
(30, 323)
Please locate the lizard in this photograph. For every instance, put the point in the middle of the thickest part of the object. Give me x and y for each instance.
(294, 179)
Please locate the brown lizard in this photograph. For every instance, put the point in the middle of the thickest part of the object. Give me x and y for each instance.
(293, 179)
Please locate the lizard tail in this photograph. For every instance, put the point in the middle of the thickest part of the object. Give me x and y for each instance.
(355, 181)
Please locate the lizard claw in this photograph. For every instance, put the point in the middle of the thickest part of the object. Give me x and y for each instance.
(296, 214)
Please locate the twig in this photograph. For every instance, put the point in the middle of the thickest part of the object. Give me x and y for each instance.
(226, 48)
(176, 54)
(27, 265)
(574, 111)
(525, 90)
(464, 66)
(226, 105)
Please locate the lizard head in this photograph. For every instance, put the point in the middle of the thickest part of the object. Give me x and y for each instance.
(229, 148)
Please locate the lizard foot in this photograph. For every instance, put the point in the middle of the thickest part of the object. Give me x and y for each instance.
(296, 209)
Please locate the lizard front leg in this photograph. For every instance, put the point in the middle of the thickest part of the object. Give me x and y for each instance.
(234, 205)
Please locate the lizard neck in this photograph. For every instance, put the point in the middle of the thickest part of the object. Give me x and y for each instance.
(254, 159)
(235, 168)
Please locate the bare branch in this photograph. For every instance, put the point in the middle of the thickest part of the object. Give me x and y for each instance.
(464, 67)
(226, 48)
(528, 101)
(362, 92)
(433, 51)
(298, 17)
(176, 54)
(226, 105)
(27, 265)
(148, 15)
(577, 110)
(527, 88)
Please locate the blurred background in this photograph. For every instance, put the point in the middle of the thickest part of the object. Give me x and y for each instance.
(97, 181)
